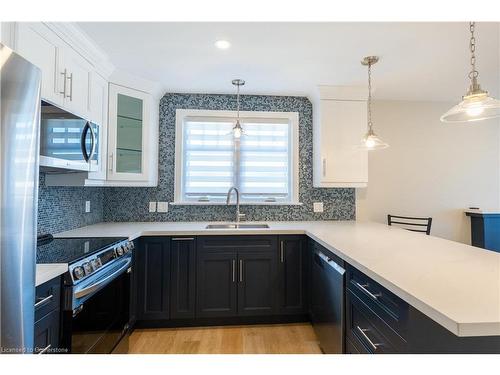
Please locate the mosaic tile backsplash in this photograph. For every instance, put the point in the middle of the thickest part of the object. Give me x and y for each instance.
(63, 208)
(131, 204)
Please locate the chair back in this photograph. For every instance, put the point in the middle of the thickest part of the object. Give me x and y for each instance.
(415, 224)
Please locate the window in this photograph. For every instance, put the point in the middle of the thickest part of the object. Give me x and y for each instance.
(262, 164)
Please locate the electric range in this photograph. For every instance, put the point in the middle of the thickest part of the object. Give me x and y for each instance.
(96, 290)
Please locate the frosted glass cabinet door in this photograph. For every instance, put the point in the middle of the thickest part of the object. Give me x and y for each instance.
(128, 133)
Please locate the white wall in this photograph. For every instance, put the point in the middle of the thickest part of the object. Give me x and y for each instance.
(431, 169)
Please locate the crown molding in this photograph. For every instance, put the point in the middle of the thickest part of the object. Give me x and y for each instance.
(77, 39)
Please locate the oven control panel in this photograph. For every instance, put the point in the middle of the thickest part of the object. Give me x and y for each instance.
(95, 262)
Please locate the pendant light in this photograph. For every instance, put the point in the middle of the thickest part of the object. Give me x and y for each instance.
(476, 104)
(371, 141)
(237, 129)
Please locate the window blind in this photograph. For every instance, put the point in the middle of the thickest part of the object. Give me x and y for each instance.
(258, 164)
(208, 159)
(264, 172)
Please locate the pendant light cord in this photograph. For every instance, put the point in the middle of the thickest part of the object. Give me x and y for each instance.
(238, 102)
(370, 125)
(472, 47)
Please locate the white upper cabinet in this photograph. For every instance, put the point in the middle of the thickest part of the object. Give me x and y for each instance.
(339, 125)
(65, 73)
(38, 44)
(132, 136)
(98, 105)
(74, 82)
(75, 77)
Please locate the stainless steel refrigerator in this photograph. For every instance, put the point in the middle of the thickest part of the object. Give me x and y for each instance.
(19, 148)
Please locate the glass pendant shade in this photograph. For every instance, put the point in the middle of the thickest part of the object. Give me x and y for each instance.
(237, 130)
(371, 141)
(474, 107)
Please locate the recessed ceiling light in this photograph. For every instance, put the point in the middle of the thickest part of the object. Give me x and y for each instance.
(222, 44)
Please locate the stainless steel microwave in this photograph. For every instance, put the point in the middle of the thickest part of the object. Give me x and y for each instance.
(68, 143)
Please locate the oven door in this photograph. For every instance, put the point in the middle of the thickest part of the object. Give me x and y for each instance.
(101, 321)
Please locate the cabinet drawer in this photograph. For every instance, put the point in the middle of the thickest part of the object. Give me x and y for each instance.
(392, 309)
(353, 346)
(47, 297)
(237, 243)
(47, 333)
(368, 329)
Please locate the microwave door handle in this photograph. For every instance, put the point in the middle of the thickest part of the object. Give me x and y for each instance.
(83, 146)
(92, 141)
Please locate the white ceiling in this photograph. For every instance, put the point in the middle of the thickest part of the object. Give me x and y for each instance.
(418, 61)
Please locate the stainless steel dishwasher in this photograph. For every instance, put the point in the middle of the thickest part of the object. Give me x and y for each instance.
(327, 304)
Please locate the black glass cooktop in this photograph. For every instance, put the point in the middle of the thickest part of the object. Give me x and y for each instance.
(70, 250)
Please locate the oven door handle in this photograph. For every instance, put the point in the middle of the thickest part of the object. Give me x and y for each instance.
(92, 288)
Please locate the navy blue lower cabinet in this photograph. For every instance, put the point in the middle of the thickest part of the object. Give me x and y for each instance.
(355, 347)
(217, 284)
(153, 273)
(183, 278)
(292, 274)
(237, 276)
(389, 307)
(257, 283)
(368, 331)
(47, 331)
(48, 317)
(380, 322)
(428, 337)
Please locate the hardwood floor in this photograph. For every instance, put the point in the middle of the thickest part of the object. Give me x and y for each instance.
(248, 339)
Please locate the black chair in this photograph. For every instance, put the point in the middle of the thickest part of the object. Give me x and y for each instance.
(415, 224)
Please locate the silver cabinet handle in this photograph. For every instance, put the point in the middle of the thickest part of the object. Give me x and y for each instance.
(234, 270)
(282, 252)
(324, 167)
(44, 301)
(44, 350)
(241, 270)
(110, 162)
(183, 239)
(363, 288)
(363, 331)
(64, 74)
(70, 96)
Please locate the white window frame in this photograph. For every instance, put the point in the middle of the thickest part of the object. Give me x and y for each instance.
(182, 114)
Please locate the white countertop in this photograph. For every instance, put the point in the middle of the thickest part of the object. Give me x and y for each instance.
(483, 211)
(456, 285)
(46, 272)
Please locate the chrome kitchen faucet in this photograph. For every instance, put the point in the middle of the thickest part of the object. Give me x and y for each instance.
(228, 200)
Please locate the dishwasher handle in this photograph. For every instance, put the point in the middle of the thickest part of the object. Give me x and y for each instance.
(323, 259)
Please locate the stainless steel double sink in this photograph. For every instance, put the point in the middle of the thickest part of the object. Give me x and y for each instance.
(237, 226)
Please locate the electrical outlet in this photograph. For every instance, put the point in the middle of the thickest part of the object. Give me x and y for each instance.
(87, 206)
(318, 207)
(162, 206)
(152, 206)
